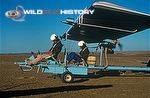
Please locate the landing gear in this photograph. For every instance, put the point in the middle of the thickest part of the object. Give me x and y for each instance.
(67, 77)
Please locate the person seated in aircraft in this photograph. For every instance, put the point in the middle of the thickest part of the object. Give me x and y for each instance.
(52, 53)
(82, 56)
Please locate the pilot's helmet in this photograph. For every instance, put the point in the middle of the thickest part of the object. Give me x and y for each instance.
(81, 43)
(53, 37)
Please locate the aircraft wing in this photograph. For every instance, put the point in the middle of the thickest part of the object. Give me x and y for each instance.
(109, 21)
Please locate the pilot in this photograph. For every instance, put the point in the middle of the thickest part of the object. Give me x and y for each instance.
(53, 52)
(82, 56)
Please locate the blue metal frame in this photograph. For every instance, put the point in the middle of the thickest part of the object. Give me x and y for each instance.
(57, 69)
(83, 70)
(79, 69)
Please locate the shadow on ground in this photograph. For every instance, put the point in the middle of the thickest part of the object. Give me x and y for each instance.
(16, 93)
(80, 80)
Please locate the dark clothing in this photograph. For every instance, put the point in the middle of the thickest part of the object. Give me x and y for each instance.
(56, 48)
(74, 56)
(83, 54)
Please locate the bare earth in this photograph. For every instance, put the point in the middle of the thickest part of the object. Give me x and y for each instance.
(15, 83)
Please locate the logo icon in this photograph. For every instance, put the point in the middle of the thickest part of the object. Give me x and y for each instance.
(17, 14)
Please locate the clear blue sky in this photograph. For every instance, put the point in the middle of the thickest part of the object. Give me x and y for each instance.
(33, 33)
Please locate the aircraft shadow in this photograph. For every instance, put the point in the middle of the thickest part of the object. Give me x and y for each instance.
(80, 80)
(17, 93)
(100, 74)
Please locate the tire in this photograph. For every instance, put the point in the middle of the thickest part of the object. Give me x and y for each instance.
(67, 77)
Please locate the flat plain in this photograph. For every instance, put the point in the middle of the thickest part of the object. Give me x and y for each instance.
(15, 83)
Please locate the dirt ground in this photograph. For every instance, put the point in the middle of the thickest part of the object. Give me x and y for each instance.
(15, 83)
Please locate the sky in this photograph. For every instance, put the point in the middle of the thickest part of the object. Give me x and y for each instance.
(34, 33)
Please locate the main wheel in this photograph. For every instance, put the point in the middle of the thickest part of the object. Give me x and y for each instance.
(67, 77)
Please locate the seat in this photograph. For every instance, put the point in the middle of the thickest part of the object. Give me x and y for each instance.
(91, 60)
